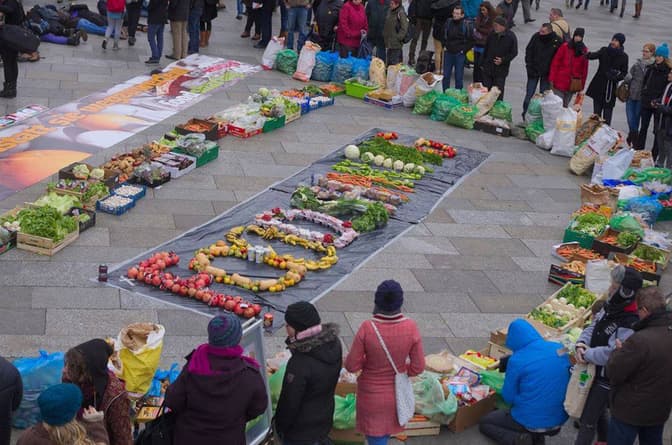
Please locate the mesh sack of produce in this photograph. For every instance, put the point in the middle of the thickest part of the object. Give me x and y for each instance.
(345, 412)
(501, 110)
(271, 52)
(424, 103)
(37, 374)
(462, 116)
(583, 159)
(551, 105)
(533, 113)
(342, 69)
(360, 68)
(442, 107)
(324, 66)
(534, 130)
(431, 401)
(139, 346)
(487, 101)
(459, 95)
(377, 71)
(306, 62)
(647, 206)
(286, 61)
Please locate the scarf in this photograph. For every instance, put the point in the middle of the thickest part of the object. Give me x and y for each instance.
(614, 52)
(199, 362)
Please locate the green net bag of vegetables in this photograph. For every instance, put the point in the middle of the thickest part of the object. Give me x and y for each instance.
(624, 222)
(534, 130)
(286, 61)
(663, 175)
(533, 113)
(442, 106)
(501, 110)
(345, 412)
(459, 95)
(430, 400)
(462, 116)
(424, 103)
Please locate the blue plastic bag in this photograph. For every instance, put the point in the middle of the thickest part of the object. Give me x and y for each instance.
(37, 374)
(161, 375)
(324, 66)
(342, 70)
(647, 206)
(360, 68)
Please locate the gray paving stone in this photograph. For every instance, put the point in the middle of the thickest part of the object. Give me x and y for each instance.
(193, 206)
(456, 203)
(439, 216)
(465, 262)
(179, 322)
(479, 180)
(505, 206)
(141, 237)
(107, 255)
(21, 321)
(339, 301)
(268, 171)
(477, 217)
(504, 168)
(563, 196)
(534, 232)
(467, 231)
(368, 279)
(243, 182)
(93, 322)
(518, 193)
(521, 282)
(13, 297)
(490, 247)
(533, 264)
(185, 222)
(45, 273)
(386, 260)
(221, 206)
(94, 237)
(543, 182)
(458, 346)
(295, 158)
(29, 345)
(510, 303)
(541, 248)
(438, 302)
(422, 244)
(131, 300)
(548, 206)
(75, 298)
(472, 192)
(178, 196)
(477, 325)
(135, 219)
(549, 219)
(454, 281)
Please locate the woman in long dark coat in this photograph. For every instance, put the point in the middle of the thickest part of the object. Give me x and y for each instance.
(209, 14)
(613, 68)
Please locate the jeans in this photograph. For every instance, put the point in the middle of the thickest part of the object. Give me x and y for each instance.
(394, 56)
(239, 7)
(155, 37)
(133, 11)
(532, 83)
(377, 440)
(114, 26)
(179, 31)
(52, 38)
(594, 416)
(451, 61)
(283, 16)
(490, 81)
(296, 21)
(422, 27)
(621, 433)
(633, 110)
(194, 28)
(91, 27)
(601, 110)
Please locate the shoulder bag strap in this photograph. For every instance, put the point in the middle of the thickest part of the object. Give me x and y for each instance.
(382, 344)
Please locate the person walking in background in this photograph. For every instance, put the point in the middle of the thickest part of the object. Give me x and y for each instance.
(559, 24)
(253, 18)
(133, 10)
(266, 20)
(327, 17)
(351, 23)
(11, 393)
(178, 14)
(13, 14)
(505, 9)
(219, 389)
(394, 31)
(376, 405)
(538, 57)
(527, 5)
(500, 50)
(157, 14)
(59, 405)
(115, 18)
(376, 12)
(297, 16)
(86, 367)
(595, 344)
(638, 9)
(305, 410)
(569, 68)
(612, 69)
(482, 29)
(537, 375)
(420, 15)
(635, 81)
(640, 372)
(194, 25)
(655, 79)
(458, 38)
(209, 14)
(664, 141)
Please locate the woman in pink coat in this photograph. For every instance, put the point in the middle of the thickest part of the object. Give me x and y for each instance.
(376, 404)
(351, 23)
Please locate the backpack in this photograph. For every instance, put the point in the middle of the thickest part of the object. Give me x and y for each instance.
(566, 37)
(410, 32)
(19, 38)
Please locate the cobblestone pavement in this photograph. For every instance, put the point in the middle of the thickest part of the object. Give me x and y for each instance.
(478, 261)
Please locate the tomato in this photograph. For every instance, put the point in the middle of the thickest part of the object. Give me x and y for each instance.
(132, 273)
(176, 288)
(230, 305)
(249, 312)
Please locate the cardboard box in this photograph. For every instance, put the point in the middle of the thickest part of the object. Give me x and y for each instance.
(498, 351)
(470, 415)
(342, 389)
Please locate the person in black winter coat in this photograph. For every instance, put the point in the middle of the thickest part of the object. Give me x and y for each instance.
(655, 80)
(442, 10)
(420, 15)
(538, 57)
(664, 135)
(157, 14)
(457, 40)
(14, 15)
(305, 409)
(11, 393)
(612, 69)
(500, 50)
(326, 16)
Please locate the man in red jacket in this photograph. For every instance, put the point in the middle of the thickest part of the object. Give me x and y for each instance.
(569, 69)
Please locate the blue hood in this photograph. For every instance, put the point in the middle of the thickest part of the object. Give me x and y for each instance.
(521, 333)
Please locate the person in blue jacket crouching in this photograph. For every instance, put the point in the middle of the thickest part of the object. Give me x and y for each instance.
(537, 374)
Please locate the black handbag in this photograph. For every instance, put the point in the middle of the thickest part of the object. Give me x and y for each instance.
(19, 38)
(159, 431)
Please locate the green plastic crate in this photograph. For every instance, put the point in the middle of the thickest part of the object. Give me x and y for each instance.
(584, 240)
(208, 155)
(274, 124)
(354, 89)
(665, 214)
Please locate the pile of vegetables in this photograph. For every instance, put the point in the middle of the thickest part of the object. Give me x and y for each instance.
(46, 222)
(151, 174)
(398, 170)
(649, 253)
(388, 149)
(576, 296)
(591, 224)
(627, 239)
(62, 203)
(550, 317)
(95, 191)
(81, 171)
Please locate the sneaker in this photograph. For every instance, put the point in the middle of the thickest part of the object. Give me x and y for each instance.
(239, 17)
(524, 439)
(245, 35)
(131, 41)
(151, 61)
(530, 20)
(260, 45)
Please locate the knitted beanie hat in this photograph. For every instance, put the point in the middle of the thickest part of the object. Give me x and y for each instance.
(225, 330)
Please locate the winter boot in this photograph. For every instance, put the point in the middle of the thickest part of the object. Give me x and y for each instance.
(9, 90)
(632, 138)
(638, 10)
(83, 34)
(202, 43)
(207, 37)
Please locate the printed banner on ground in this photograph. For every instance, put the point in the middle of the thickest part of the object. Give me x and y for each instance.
(35, 148)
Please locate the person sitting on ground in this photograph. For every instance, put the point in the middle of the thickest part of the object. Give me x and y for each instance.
(640, 372)
(305, 409)
(86, 367)
(219, 390)
(48, 27)
(11, 393)
(537, 375)
(59, 405)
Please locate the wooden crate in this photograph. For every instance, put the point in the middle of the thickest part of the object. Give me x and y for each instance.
(498, 351)
(420, 426)
(578, 319)
(44, 246)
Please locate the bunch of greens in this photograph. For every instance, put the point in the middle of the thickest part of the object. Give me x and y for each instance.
(627, 239)
(313, 90)
(374, 217)
(62, 203)
(96, 190)
(46, 222)
(590, 223)
(549, 317)
(380, 146)
(358, 168)
(576, 295)
(304, 198)
(649, 253)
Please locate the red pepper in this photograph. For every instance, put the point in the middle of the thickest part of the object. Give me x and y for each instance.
(266, 217)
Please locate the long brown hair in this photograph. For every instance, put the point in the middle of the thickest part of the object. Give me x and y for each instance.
(72, 433)
(491, 10)
(76, 368)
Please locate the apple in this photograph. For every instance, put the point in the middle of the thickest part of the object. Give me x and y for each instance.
(191, 292)
(199, 295)
(132, 273)
(183, 291)
(257, 309)
(156, 281)
(168, 284)
(230, 305)
(249, 312)
(176, 288)
(238, 310)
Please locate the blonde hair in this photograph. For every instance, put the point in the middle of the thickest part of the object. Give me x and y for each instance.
(72, 433)
(651, 47)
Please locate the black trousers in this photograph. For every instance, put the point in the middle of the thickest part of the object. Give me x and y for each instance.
(266, 19)
(10, 64)
(594, 420)
(253, 18)
(133, 15)
(490, 81)
(603, 111)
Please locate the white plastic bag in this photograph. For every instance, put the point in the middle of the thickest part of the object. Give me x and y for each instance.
(392, 72)
(598, 276)
(628, 192)
(551, 106)
(603, 139)
(408, 99)
(596, 177)
(615, 166)
(276, 45)
(428, 82)
(475, 91)
(545, 140)
(306, 62)
(565, 133)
